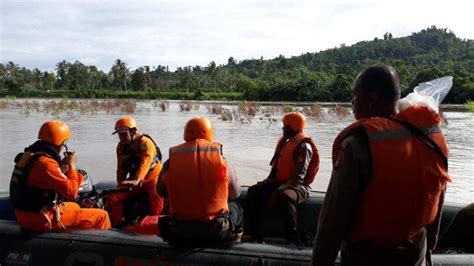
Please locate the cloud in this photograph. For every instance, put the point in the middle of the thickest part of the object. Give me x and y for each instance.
(180, 33)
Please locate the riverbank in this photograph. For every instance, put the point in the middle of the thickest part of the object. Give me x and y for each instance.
(109, 94)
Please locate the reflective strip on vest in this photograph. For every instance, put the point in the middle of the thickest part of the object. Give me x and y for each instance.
(183, 150)
(400, 133)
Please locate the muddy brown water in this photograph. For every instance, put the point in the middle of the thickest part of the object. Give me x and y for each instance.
(247, 145)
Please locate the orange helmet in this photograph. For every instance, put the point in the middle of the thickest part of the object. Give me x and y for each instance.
(125, 123)
(295, 120)
(198, 128)
(54, 132)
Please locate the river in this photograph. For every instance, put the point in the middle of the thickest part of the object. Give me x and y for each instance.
(247, 145)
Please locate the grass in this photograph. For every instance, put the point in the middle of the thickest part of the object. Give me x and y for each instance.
(470, 106)
(7, 101)
(105, 94)
(4, 104)
(316, 111)
(226, 115)
(339, 111)
(215, 109)
(248, 109)
(163, 105)
(10, 98)
(287, 108)
(71, 107)
(185, 107)
(244, 112)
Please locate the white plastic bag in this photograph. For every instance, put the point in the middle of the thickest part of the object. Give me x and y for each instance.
(429, 94)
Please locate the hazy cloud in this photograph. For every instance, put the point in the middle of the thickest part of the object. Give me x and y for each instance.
(179, 33)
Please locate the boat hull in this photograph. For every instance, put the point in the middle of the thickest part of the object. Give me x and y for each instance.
(113, 247)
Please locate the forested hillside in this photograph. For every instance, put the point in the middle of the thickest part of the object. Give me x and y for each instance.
(320, 76)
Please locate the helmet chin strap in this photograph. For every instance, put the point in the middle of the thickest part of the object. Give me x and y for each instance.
(133, 132)
(66, 148)
(290, 133)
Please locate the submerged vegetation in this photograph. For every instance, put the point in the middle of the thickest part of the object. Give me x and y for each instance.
(470, 106)
(243, 112)
(315, 111)
(163, 105)
(319, 76)
(186, 107)
(71, 107)
(339, 111)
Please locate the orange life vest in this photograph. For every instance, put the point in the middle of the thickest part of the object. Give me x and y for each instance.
(196, 181)
(130, 162)
(285, 158)
(407, 179)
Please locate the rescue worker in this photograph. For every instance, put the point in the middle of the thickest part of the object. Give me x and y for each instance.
(42, 183)
(138, 167)
(389, 176)
(294, 167)
(198, 182)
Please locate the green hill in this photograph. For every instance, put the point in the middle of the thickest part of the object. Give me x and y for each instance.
(319, 76)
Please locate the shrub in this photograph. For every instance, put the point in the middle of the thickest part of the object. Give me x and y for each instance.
(470, 106)
(248, 109)
(287, 108)
(215, 109)
(185, 107)
(315, 111)
(339, 111)
(164, 105)
(226, 115)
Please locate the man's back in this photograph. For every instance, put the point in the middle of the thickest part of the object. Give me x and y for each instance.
(196, 181)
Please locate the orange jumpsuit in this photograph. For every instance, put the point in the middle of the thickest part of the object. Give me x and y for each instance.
(145, 149)
(46, 174)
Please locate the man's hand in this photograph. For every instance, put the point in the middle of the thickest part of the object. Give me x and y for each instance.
(70, 160)
(131, 183)
(64, 168)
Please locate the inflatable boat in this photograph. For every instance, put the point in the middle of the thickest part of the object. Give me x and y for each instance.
(115, 247)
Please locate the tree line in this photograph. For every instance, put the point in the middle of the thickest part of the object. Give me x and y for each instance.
(320, 76)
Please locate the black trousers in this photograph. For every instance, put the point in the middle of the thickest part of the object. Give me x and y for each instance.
(219, 231)
(367, 252)
(285, 202)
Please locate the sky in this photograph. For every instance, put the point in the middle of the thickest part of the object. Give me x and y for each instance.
(175, 33)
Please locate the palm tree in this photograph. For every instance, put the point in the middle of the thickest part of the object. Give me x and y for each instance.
(62, 70)
(120, 74)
